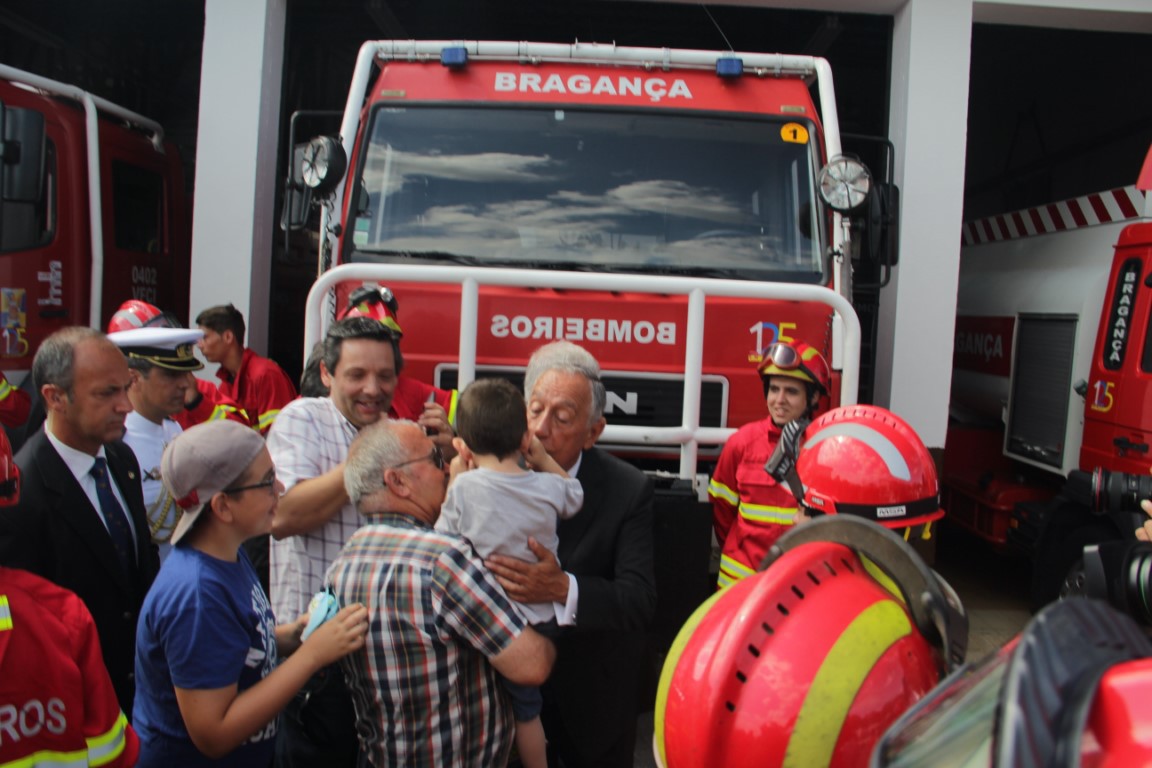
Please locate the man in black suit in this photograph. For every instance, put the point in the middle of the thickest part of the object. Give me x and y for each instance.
(603, 586)
(72, 526)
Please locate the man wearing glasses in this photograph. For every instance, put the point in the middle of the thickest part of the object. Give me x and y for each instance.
(309, 443)
(441, 626)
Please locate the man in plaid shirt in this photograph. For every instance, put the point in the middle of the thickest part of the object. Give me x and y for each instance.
(440, 626)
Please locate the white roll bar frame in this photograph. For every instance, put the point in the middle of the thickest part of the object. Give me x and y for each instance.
(689, 435)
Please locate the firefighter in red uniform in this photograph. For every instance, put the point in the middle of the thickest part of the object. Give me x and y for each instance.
(412, 399)
(15, 404)
(205, 401)
(57, 704)
(258, 384)
(750, 509)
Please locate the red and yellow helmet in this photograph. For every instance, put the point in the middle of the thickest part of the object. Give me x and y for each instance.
(865, 460)
(140, 314)
(796, 360)
(809, 661)
(376, 302)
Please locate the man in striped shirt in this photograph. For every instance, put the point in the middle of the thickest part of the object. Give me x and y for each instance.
(440, 627)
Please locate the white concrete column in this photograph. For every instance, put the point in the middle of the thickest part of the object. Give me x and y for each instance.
(236, 163)
(929, 114)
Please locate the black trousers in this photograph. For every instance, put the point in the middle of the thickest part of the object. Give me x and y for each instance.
(318, 727)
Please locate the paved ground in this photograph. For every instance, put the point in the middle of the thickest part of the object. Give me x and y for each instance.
(993, 588)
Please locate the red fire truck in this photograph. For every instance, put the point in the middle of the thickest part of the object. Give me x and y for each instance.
(609, 162)
(673, 211)
(1048, 445)
(93, 211)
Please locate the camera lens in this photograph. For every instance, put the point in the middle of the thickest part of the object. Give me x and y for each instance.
(1118, 491)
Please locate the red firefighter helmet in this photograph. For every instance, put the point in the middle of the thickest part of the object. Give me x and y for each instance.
(140, 314)
(809, 661)
(796, 360)
(865, 460)
(376, 302)
(9, 474)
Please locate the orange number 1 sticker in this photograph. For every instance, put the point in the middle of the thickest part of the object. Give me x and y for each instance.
(794, 133)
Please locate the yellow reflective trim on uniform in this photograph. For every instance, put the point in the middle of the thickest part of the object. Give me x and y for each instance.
(219, 413)
(266, 419)
(731, 571)
(838, 681)
(721, 491)
(452, 401)
(5, 614)
(5, 388)
(50, 759)
(108, 746)
(763, 513)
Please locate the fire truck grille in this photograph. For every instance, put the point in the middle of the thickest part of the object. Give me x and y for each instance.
(646, 400)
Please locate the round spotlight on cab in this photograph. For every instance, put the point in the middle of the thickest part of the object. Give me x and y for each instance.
(323, 164)
(845, 183)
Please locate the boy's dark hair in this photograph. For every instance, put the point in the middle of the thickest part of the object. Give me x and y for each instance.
(223, 317)
(357, 328)
(491, 417)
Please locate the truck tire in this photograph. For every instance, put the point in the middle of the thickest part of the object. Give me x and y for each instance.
(1059, 566)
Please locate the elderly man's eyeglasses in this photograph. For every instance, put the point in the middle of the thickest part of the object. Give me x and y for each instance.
(269, 481)
(436, 457)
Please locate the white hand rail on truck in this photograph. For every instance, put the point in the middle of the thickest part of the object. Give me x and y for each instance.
(689, 435)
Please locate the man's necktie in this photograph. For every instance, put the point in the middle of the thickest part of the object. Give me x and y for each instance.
(114, 516)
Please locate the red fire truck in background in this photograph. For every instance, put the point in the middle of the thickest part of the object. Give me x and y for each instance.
(1048, 447)
(599, 160)
(93, 211)
(673, 211)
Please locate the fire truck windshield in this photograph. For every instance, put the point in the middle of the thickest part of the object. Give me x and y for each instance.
(641, 192)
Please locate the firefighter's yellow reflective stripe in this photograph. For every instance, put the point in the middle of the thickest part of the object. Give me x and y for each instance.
(266, 419)
(50, 759)
(220, 412)
(452, 408)
(671, 660)
(108, 746)
(838, 681)
(721, 491)
(763, 513)
(5, 388)
(5, 614)
(732, 570)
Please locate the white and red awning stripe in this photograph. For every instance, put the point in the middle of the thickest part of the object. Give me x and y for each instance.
(1089, 210)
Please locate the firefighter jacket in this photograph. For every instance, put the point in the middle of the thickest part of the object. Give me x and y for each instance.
(15, 404)
(211, 405)
(261, 388)
(410, 395)
(750, 509)
(57, 704)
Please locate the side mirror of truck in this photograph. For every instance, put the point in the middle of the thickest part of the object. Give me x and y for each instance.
(880, 241)
(297, 196)
(21, 155)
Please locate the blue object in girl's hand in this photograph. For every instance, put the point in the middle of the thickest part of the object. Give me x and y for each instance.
(321, 608)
